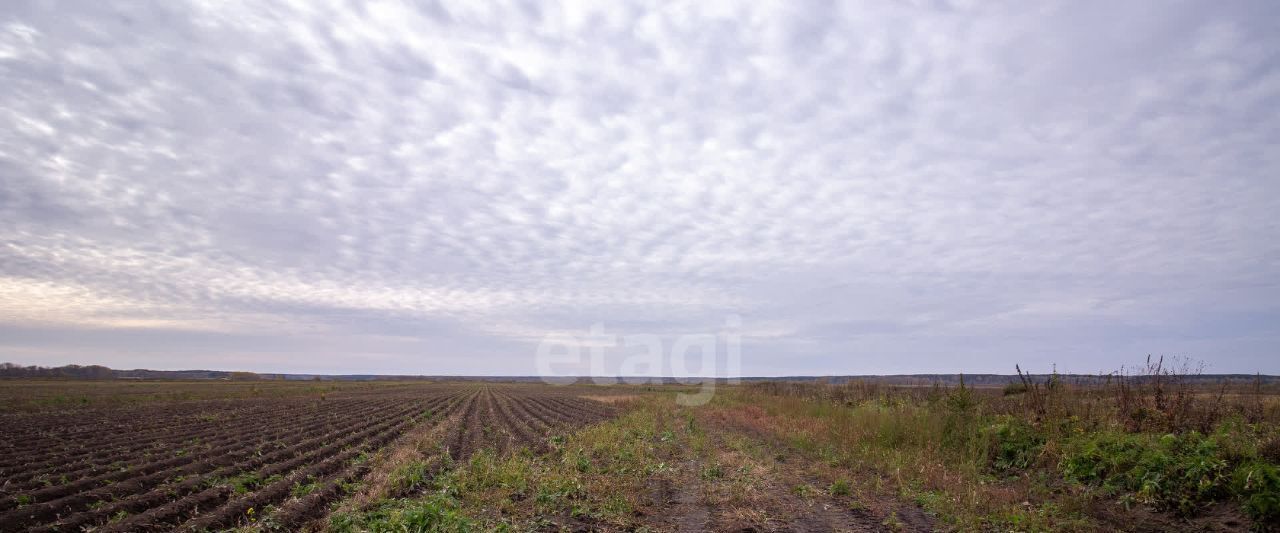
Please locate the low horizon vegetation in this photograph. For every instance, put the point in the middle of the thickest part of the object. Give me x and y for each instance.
(1154, 449)
(1144, 451)
(1045, 454)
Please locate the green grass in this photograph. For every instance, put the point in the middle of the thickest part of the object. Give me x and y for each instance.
(840, 487)
(410, 477)
(975, 469)
(301, 489)
(596, 476)
(437, 512)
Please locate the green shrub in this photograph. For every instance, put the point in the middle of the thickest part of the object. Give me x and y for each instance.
(1178, 473)
(1015, 444)
(960, 430)
(1257, 484)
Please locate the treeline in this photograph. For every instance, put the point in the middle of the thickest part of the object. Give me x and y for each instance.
(10, 370)
(14, 371)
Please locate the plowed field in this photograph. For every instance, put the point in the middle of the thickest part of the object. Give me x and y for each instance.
(207, 464)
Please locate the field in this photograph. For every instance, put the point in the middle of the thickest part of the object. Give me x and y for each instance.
(1134, 455)
(209, 456)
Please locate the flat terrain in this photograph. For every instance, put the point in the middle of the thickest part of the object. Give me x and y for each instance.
(1135, 455)
(117, 456)
(197, 456)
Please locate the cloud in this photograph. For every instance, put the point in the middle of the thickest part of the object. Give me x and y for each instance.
(421, 187)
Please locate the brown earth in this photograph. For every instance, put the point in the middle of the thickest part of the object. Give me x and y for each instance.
(218, 463)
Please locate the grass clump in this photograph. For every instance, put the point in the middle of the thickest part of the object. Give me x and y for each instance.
(437, 513)
(410, 477)
(245, 483)
(301, 489)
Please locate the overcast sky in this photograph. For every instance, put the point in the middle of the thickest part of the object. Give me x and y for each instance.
(433, 188)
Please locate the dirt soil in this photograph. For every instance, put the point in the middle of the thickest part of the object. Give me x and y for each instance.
(210, 464)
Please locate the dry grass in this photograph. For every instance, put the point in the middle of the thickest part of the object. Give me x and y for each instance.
(417, 449)
(986, 460)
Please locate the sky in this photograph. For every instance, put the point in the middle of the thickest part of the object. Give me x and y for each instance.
(478, 188)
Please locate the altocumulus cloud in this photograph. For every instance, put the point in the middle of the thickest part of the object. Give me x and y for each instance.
(431, 187)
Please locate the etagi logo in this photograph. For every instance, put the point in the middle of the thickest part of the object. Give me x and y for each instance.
(694, 359)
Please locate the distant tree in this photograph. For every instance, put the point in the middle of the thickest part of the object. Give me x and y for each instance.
(244, 376)
(10, 370)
